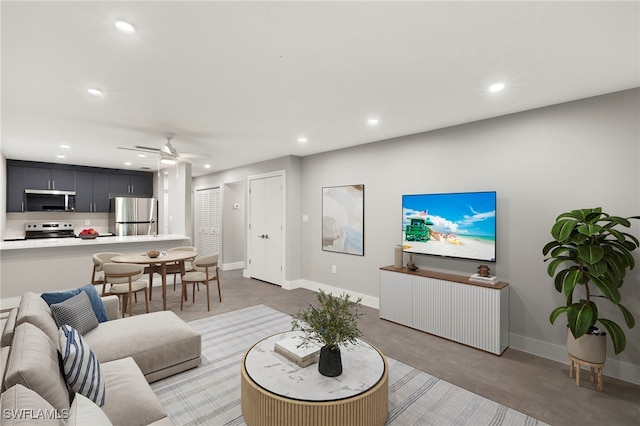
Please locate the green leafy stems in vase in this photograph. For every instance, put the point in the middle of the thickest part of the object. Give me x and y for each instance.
(333, 322)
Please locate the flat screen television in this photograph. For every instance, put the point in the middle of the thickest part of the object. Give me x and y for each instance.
(459, 225)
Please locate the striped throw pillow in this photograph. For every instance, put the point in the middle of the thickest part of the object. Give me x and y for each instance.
(81, 366)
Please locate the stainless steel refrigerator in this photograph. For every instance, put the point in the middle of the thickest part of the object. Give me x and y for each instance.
(133, 216)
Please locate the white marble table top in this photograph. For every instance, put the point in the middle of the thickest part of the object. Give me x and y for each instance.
(362, 368)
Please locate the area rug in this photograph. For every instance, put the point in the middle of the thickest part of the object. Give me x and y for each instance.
(210, 394)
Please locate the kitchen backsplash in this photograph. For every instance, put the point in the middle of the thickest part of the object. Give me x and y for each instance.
(16, 221)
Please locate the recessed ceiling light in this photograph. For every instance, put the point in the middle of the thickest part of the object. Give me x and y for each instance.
(65, 146)
(373, 121)
(60, 156)
(496, 87)
(142, 156)
(125, 27)
(94, 92)
(207, 166)
(127, 163)
(302, 139)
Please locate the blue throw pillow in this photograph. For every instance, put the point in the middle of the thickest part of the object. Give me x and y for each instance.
(94, 298)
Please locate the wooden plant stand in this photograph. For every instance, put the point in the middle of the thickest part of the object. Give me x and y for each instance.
(574, 368)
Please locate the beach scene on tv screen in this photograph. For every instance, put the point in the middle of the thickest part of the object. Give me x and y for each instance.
(457, 225)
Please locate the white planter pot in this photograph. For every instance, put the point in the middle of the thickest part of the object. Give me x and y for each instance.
(590, 348)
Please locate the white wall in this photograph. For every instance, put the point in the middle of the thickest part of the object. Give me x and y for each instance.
(541, 163)
(292, 166)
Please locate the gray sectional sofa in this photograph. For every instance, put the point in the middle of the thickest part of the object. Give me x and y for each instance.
(132, 351)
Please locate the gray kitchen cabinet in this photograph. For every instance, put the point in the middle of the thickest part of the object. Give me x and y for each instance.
(131, 184)
(50, 178)
(15, 188)
(92, 192)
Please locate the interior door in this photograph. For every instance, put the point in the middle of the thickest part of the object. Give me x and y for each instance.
(208, 238)
(266, 261)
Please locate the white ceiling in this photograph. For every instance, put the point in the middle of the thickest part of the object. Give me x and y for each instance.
(242, 80)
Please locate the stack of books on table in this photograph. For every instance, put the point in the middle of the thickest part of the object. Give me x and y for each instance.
(477, 278)
(289, 349)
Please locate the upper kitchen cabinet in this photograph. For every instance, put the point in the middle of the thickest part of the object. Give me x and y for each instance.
(15, 187)
(23, 175)
(92, 192)
(140, 184)
(50, 178)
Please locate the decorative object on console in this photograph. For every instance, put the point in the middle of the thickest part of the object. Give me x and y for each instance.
(332, 323)
(398, 257)
(484, 271)
(410, 265)
(343, 219)
(593, 256)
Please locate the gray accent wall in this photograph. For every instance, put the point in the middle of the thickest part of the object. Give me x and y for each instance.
(541, 163)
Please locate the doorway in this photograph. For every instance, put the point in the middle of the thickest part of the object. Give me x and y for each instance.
(208, 217)
(266, 233)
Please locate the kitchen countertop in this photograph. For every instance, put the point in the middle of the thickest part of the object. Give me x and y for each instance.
(77, 242)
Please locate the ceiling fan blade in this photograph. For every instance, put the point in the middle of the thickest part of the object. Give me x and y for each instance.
(141, 149)
(184, 155)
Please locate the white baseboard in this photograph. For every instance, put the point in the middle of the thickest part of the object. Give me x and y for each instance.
(370, 301)
(232, 266)
(613, 368)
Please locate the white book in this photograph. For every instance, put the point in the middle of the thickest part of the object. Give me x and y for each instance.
(290, 346)
(486, 280)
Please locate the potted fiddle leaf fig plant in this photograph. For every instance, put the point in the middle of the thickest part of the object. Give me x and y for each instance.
(589, 257)
(333, 322)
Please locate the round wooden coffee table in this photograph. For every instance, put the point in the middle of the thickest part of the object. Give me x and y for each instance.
(276, 391)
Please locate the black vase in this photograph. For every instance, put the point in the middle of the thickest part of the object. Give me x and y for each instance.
(330, 362)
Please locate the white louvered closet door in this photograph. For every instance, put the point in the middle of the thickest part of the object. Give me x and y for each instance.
(208, 222)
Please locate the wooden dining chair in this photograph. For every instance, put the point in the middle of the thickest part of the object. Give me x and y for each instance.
(123, 282)
(205, 271)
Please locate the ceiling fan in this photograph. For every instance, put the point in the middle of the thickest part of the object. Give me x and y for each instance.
(167, 154)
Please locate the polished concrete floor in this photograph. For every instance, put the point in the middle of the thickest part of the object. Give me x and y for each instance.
(536, 386)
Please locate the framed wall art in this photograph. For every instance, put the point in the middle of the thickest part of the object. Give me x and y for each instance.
(343, 219)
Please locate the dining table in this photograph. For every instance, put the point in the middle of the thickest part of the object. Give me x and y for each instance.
(159, 265)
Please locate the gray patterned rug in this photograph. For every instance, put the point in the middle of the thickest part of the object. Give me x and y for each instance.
(210, 394)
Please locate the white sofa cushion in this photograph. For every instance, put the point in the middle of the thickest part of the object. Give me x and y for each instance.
(22, 406)
(130, 400)
(9, 327)
(34, 363)
(84, 412)
(34, 310)
(81, 367)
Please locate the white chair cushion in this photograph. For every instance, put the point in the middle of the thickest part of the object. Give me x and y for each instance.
(124, 288)
(195, 276)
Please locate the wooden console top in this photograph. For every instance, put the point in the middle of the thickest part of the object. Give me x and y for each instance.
(444, 276)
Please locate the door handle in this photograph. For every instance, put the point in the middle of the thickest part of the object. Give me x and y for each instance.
(263, 236)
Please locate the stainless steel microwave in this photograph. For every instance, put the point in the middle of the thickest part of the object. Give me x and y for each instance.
(46, 200)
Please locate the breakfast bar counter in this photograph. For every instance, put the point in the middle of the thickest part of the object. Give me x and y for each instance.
(55, 264)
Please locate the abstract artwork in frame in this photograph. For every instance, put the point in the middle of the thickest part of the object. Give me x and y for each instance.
(343, 219)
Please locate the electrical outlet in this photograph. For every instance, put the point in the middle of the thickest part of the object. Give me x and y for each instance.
(333, 269)
(87, 222)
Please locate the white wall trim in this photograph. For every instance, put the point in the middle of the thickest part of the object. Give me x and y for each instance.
(370, 301)
(613, 368)
(232, 266)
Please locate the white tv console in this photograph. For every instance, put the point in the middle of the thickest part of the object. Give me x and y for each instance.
(447, 305)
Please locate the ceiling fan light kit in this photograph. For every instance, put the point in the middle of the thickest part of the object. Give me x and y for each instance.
(168, 154)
